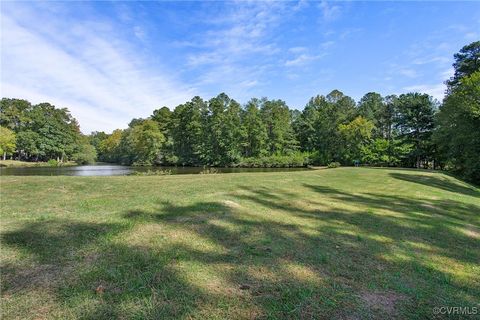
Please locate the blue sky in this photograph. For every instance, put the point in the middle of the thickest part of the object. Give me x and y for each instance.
(109, 62)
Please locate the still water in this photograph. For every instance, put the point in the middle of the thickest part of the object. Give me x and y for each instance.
(118, 170)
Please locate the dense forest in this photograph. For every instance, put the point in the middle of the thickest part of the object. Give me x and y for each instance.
(409, 130)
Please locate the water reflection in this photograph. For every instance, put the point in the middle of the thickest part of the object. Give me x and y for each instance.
(119, 170)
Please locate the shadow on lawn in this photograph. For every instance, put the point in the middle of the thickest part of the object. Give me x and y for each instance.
(320, 264)
(74, 259)
(437, 182)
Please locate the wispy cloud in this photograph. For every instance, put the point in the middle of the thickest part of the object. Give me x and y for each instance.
(240, 47)
(302, 60)
(83, 67)
(435, 90)
(422, 61)
(297, 49)
(410, 73)
(329, 11)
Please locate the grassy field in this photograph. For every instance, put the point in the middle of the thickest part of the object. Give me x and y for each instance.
(347, 243)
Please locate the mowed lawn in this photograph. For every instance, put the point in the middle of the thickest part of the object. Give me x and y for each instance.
(346, 243)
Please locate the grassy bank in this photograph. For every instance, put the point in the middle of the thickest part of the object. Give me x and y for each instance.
(343, 243)
(24, 164)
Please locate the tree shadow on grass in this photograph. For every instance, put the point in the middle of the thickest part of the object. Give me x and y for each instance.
(440, 183)
(347, 263)
(257, 255)
(417, 227)
(50, 247)
(80, 267)
(318, 262)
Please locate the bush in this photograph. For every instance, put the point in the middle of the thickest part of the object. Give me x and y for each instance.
(141, 164)
(333, 165)
(297, 159)
(86, 154)
(52, 163)
(151, 173)
(209, 171)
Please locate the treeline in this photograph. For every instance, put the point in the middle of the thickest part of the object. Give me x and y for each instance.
(386, 131)
(409, 130)
(41, 132)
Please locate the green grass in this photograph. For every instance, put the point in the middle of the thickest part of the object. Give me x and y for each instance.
(23, 164)
(347, 243)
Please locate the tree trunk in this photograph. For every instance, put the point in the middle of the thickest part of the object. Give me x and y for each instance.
(4, 156)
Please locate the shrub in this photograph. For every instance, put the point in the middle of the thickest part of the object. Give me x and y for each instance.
(152, 173)
(141, 164)
(333, 165)
(85, 154)
(296, 159)
(52, 163)
(209, 171)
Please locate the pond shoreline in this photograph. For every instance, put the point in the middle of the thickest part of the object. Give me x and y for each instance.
(105, 169)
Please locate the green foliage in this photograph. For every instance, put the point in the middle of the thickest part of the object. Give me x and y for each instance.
(354, 136)
(458, 128)
(142, 143)
(29, 143)
(318, 126)
(53, 163)
(44, 131)
(209, 171)
(383, 152)
(163, 117)
(277, 119)
(14, 113)
(85, 153)
(223, 132)
(58, 130)
(467, 62)
(294, 159)
(415, 124)
(109, 148)
(255, 143)
(371, 107)
(332, 165)
(95, 139)
(151, 173)
(7, 141)
(188, 121)
(379, 110)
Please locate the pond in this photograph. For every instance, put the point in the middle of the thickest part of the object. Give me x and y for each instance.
(119, 170)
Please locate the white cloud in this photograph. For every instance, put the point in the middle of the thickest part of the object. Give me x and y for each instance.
(238, 49)
(435, 90)
(329, 12)
(422, 61)
(302, 60)
(472, 36)
(96, 75)
(297, 49)
(408, 72)
(243, 31)
(447, 74)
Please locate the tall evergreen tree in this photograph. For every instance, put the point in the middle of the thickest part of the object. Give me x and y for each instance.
(467, 61)
(255, 142)
(415, 124)
(187, 131)
(458, 128)
(278, 122)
